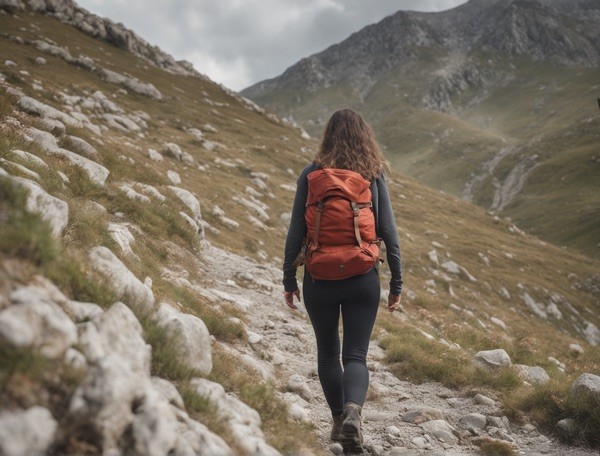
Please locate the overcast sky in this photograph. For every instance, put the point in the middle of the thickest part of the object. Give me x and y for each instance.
(241, 42)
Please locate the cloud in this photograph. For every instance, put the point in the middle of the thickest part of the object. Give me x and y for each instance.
(240, 42)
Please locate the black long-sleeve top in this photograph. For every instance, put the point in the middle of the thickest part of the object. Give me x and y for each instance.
(385, 226)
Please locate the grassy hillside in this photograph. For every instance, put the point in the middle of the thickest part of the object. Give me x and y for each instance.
(500, 265)
(443, 118)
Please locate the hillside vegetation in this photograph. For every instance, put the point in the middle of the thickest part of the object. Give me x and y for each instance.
(494, 102)
(179, 211)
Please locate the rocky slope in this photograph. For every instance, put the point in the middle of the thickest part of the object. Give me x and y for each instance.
(143, 215)
(448, 92)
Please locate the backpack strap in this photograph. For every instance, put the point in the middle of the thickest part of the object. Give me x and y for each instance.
(356, 207)
(320, 207)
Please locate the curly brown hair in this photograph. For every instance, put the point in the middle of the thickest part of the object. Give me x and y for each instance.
(349, 143)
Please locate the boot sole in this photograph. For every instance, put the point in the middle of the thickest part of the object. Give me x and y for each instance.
(351, 439)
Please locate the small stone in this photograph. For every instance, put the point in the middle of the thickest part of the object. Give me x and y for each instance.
(173, 177)
(26, 432)
(473, 421)
(422, 414)
(492, 359)
(575, 350)
(154, 155)
(393, 430)
(484, 400)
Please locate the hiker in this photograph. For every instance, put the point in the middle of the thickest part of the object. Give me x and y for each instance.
(348, 156)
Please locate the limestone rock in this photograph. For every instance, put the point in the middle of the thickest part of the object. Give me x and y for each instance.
(189, 200)
(297, 384)
(192, 337)
(123, 237)
(586, 388)
(97, 173)
(244, 421)
(35, 107)
(154, 155)
(104, 400)
(441, 430)
(173, 177)
(82, 147)
(127, 286)
(473, 421)
(51, 209)
(535, 375)
(168, 391)
(83, 311)
(26, 432)
(154, 426)
(492, 359)
(196, 439)
(116, 332)
(422, 414)
(29, 157)
(35, 320)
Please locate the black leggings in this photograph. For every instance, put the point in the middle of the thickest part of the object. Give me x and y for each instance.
(358, 299)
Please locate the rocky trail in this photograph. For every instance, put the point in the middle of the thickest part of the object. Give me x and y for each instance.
(400, 418)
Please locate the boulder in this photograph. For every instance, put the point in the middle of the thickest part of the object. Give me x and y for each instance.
(29, 157)
(26, 432)
(168, 391)
(492, 359)
(189, 200)
(154, 426)
(473, 421)
(83, 311)
(196, 439)
(97, 173)
(116, 332)
(37, 108)
(126, 285)
(104, 401)
(36, 321)
(122, 236)
(191, 337)
(52, 210)
(244, 422)
(535, 375)
(82, 147)
(586, 388)
(173, 150)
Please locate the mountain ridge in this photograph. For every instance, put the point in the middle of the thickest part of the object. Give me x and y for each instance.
(521, 72)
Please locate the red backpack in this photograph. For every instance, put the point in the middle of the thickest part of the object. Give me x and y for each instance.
(341, 241)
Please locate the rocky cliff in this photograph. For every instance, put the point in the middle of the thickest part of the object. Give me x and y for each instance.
(142, 219)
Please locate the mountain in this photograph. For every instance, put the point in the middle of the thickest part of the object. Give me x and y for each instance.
(143, 212)
(492, 101)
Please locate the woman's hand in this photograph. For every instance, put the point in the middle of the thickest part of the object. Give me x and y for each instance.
(289, 298)
(393, 302)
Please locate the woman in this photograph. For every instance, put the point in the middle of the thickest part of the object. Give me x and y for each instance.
(348, 143)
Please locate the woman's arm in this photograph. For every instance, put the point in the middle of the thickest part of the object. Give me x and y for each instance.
(296, 232)
(388, 231)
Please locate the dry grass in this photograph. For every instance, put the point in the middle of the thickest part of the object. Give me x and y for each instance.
(495, 447)
(281, 431)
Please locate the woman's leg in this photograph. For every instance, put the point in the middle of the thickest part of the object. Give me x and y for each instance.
(359, 311)
(323, 306)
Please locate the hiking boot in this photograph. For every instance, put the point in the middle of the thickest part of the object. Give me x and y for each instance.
(336, 430)
(352, 438)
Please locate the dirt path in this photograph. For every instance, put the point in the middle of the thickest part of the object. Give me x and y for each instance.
(282, 340)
